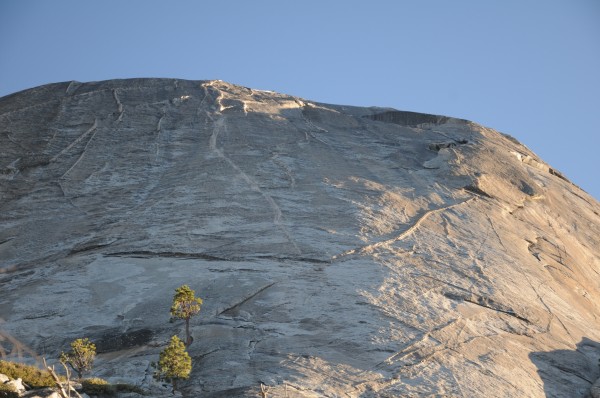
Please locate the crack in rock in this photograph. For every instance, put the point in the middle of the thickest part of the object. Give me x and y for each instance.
(410, 230)
(245, 299)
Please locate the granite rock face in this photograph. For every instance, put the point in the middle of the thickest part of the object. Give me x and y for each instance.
(340, 251)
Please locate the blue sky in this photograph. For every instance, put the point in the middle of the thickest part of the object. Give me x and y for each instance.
(527, 68)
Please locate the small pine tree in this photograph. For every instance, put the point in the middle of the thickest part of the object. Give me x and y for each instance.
(81, 356)
(174, 363)
(185, 305)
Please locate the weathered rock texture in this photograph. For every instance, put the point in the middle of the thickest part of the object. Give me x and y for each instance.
(340, 251)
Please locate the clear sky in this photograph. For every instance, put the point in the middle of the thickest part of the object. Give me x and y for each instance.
(525, 67)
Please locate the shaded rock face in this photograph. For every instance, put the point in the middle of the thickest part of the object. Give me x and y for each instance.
(340, 251)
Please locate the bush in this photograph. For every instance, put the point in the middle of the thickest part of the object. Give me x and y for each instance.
(98, 386)
(30, 375)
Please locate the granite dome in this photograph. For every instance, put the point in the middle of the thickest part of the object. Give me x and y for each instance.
(339, 250)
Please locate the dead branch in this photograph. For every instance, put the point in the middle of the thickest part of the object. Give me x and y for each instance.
(264, 390)
(68, 372)
(62, 391)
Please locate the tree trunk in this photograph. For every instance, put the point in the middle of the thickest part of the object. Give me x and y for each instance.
(188, 339)
(174, 383)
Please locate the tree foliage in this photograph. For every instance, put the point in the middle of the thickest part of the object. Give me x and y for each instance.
(174, 363)
(81, 356)
(185, 305)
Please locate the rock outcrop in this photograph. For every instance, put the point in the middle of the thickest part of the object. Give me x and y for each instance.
(340, 251)
(16, 386)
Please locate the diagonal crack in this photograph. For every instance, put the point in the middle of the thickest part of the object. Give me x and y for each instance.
(246, 299)
(409, 231)
(488, 303)
(76, 141)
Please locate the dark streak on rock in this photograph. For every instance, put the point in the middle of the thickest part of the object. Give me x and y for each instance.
(296, 259)
(239, 304)
(436, 146)
(558, 174)
(486, 303)
(150, 254)
(476, 190)
(203, 256)
(115, 341)
(7, 240)
(87, 248)
(405, 118)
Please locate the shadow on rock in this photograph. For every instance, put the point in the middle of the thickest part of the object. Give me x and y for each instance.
(569, 373)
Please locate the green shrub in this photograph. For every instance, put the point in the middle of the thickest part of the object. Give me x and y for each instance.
(30, 375)
(97, 386)
(8, 392)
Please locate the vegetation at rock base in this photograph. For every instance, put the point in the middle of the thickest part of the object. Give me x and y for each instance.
(31, 375)
(81, 356)
(101, 387)
(8, 392)
(174, 363)
(97, 386)
(185, 305)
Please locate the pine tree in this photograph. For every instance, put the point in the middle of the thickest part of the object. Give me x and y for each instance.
(185, 305)
(174, 363)
(81, 356)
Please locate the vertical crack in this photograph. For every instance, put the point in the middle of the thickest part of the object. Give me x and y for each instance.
(119, 105)
(219, 125)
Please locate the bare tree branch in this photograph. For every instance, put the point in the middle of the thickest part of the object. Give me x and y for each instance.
(62, 391)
